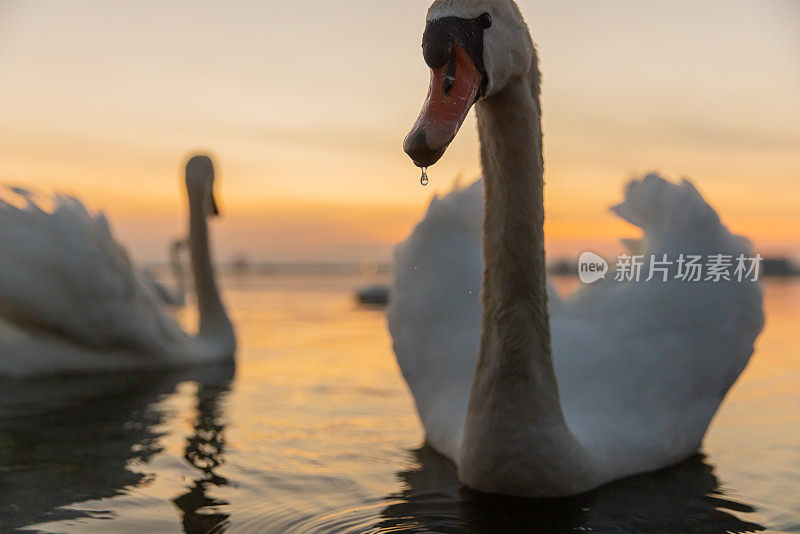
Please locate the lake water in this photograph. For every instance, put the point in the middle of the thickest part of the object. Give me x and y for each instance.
(314, 431)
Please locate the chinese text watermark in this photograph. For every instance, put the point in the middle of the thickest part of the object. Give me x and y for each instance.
(663, 267)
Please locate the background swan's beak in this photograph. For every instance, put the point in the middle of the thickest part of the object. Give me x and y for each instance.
(213, 209)
(453, 89)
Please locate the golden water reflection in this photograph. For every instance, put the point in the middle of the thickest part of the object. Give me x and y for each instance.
(317, 433)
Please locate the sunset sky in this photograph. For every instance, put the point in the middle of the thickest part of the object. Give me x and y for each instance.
(305, 105)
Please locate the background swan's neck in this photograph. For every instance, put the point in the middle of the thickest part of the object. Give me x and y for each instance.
(177, 270)
(515, 438)
(214, 322)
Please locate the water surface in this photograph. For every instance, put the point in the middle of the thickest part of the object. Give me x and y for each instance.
(314, 431)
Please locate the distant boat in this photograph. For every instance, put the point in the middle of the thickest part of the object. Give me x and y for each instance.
(563, 267)
(241, 265)
(375, 295)
(779, 267)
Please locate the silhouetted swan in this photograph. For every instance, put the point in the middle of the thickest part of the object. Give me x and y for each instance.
(173, 297)
(71, 301)
(637, 369)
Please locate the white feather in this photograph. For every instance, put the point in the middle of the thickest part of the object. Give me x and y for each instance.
(71, 300)
(641, 367)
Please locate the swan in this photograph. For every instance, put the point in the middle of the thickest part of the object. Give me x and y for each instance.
(173, 297)
(72, 302)
(529, 398)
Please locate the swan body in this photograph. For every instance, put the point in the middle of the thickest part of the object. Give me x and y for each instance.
(71, 301)
(641, 367)
(537, 397)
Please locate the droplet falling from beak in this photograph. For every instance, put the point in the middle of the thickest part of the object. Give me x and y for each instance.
(424, 178)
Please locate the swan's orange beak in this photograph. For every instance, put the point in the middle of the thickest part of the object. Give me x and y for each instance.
(453, 90)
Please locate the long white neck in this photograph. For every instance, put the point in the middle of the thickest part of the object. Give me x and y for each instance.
(215, 326)
(515, 438)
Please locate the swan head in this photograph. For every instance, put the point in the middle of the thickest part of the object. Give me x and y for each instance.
(474, 48)
(200, 183)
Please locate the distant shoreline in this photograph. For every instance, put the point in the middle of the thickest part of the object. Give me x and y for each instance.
(772, 267)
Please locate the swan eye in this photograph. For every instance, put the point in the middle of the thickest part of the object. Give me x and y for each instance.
(484, 21)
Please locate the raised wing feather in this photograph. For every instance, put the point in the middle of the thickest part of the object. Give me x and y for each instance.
(62, 272)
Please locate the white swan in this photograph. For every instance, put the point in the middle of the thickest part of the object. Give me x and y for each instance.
(71, 301)
(637, 369)
(173, 297)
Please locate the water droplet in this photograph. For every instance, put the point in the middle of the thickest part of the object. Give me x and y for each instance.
(424, 178)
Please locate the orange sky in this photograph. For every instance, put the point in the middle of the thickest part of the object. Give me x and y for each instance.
(305, 106)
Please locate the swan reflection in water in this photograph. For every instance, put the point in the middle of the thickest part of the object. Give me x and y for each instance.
(683, 498)
(65, 440)
(70, 440)
(204, 451)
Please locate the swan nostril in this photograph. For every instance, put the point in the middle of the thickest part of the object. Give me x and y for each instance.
(449, 77)
(447, 84)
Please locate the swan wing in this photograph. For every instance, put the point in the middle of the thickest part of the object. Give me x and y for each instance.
(435, 312)
(63, 273)
(641, 367)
